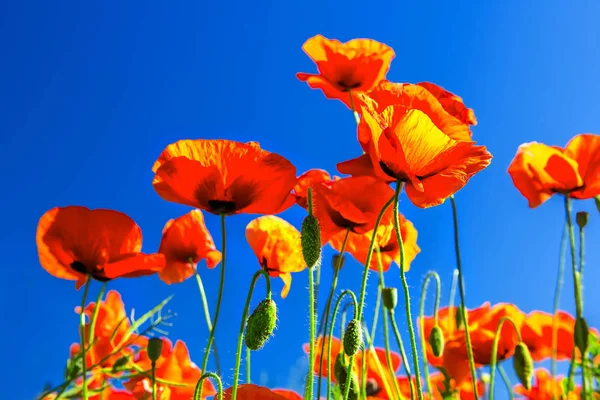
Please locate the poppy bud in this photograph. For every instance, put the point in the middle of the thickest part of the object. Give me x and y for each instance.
(582, 219)
(155, 346)
(597, 201)
(120, 363)
(458, 317)
(338, 261)
(389, 295)
(523, 365)
(581, 334)
(261, 324)
(311, 240)
(353, 339)
(340, 371)
(436, 340)
(74, 367)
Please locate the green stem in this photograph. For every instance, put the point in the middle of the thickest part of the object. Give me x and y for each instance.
(451, 318)
(356, 115)
(95, 314)
(211, 335)
(153, 380)
(506, 382)
(428, 277)
(378, 299)
(495, 350)
(238, 361)
(208, 318)
(311, 354)
(463, 307)
(576, 284)
(248, 355)
(411, 329)
(392, 316)
(325, 319)
(346, 292)
(557, 291)
(388, 357)
(199, 385)
(82, 328)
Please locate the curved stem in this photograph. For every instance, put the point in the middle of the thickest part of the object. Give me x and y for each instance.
(325, 319)
(207, 317)
(506, 382)
(557, 291)
(411, 329)
(577, 288)
(463, 307)
(83, 344)
(346, 292)
(153, 380)
(452, 317)
(211, 335)
(428, 277)
(238, 361)
(495, 350)
(216, 378)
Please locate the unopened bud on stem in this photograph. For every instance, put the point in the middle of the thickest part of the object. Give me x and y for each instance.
(261, 324)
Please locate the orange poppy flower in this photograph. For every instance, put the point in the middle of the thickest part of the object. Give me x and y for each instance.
(224, 177)
(374, 376)
(74, 242)
(111, 340)
(174, 365)
(451, 103)
(250, 391)
(341, 204)
(184, 243)
(352, 67)
(358, 244)
(276, 244)
(404, 144)
(288, 394)
(536, 333)
(110, 393)
(438, 383)
(544, 388)
(306, 180)
(538, 171)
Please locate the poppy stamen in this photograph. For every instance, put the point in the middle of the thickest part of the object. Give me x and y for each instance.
(221, 207)
(372, 388)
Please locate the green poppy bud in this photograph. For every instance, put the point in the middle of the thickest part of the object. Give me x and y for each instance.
(581, 334)
(311, 241)
(389, 295)
(523, 365)
(155, 346)
(74, 367)
(436, 340)
(458, 317)
(582, 219)
(597, 201)
(338, 261)
(353, 339)
(261, 324)
(121, 363)
(340, 371)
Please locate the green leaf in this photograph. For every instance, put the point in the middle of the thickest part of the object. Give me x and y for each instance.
(565, 385)
(139, 322)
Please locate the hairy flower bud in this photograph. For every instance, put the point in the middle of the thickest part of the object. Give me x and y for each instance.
(389, 295)
(353, 339)
(436, 340)
(523, 365)
(311, 241)
(155, 346)
(340, 371)
(261, 324)
(582, 219)
(581, 335)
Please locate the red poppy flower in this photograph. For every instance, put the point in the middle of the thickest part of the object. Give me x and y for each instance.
(341, 204)
(538, 171)
(404, 144)
(288, 394)
(184, 243)
(451, 103)
(224, 177)
(358, 244)
(276, 244)
(357, 66)
(112, 339)
(74, 242)
(545, 388)
(306, 180)
(250, 391)
(174, 365)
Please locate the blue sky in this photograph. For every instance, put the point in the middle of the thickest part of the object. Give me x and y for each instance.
(91, 93)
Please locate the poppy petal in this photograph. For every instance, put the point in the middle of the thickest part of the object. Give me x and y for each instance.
(585, 149)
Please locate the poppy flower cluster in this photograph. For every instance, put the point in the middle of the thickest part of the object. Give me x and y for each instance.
(415, 136)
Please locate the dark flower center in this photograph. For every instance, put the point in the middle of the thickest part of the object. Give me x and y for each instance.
(265, 265)
(221, 207)
(372, 387)
(347, 84)
(387, 170)
(80, 267)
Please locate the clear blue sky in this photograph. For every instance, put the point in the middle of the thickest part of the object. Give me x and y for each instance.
(91, 92)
